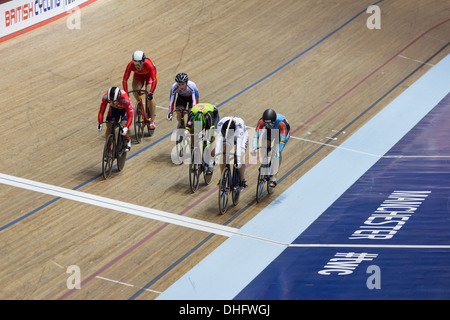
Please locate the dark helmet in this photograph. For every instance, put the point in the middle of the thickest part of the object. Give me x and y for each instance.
(269, 116)
(114, 94)
(228, 128)
(181, 77)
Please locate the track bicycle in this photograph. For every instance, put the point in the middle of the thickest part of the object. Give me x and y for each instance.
(141, 117)
(265, 173)
(198, 164)
(114, 149)
(230, 182)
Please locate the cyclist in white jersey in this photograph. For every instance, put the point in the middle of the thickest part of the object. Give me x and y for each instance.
(230, 130)
(183, 94)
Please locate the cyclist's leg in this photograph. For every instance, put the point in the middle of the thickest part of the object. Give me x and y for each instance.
(124, 119)
(151, 105)
(180, 103)
(113, 114)
(137, 84)
(108, 129)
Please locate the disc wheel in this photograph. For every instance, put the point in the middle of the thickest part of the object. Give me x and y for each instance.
(121, 154)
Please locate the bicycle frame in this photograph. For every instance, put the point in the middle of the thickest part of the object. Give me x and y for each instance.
(141, 111)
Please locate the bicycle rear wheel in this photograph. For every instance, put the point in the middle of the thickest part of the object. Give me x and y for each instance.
(121, 154)
(139, 124)
(224, 188)
(108, 156)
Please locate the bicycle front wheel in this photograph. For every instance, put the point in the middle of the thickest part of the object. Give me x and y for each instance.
(260, 186)
(224, 188)
(108, 156)
(194, 173)
(139, 124)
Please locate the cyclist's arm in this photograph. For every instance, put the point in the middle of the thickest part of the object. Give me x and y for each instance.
(153, 79)
(129, 110)
(194, 93)
(126, 76)
(258, 129)
(101, 112)
(239, 145)
(190, 121)
(283, 136)
(219, 146)
(173, 94)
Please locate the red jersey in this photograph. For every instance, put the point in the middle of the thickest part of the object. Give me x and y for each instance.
(124, 103)
(146, 74)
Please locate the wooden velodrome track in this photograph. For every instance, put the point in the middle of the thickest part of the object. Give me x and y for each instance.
(52, 82)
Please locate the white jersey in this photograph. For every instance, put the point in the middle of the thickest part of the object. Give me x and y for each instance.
(190, 92)
(240, 136)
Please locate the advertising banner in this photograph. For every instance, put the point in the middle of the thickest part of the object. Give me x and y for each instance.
(18, 15)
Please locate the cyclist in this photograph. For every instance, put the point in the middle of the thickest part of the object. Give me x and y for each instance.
(231, 130)
(186, 93)
(144, 75)
(208, 115)
(270, 120)
(121, 108)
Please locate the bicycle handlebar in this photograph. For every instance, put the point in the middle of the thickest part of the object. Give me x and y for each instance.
(139, 91)
(178, 110)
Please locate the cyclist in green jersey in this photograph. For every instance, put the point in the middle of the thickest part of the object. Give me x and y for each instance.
(207, 115)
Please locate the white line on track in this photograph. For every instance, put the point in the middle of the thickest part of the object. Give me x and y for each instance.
(127, 284)
(418, 61)
(362, 152)
(171, 217)
(118, 205)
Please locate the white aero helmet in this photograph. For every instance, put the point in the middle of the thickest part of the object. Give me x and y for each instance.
(138, 56)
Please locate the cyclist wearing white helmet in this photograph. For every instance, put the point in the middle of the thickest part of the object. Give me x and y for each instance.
(184, 93)
(144, 76)
(120, 108)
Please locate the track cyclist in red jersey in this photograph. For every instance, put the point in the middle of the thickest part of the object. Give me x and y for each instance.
(276, 124)
(183, 94)
(144, 75)
(121, 108)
